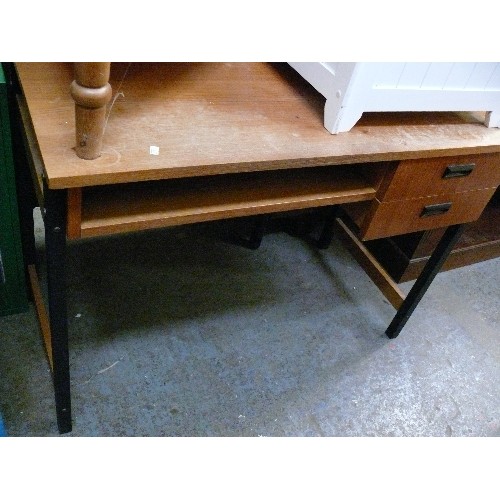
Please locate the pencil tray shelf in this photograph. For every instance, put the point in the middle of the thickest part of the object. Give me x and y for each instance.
(152, 204)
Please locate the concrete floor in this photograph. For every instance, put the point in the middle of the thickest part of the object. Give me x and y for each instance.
(178, 333)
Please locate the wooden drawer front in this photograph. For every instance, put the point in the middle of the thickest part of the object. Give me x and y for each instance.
(425, 177)
(399, 217)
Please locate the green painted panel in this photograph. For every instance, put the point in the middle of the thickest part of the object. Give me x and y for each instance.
(13, 297)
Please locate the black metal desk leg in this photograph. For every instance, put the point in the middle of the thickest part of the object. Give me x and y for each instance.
(55, 247)
(27, 224)
(26, 193)
(436, 260)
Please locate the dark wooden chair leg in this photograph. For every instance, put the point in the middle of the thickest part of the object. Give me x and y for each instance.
(434, 264)
(55, 245)
(253, 240)
(325, 238)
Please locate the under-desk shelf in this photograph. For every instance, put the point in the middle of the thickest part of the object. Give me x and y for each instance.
(144, 205)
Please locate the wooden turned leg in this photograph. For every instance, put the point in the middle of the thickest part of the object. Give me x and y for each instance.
(91, 92)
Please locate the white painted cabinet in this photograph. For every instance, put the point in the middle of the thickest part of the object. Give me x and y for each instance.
(353, 88)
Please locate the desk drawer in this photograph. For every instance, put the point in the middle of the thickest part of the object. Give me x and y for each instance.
(440, 176)
(420, 214)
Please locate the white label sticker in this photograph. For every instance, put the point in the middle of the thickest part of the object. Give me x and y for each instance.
(154, 150)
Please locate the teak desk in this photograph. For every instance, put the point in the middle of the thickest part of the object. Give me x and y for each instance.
(195, 142)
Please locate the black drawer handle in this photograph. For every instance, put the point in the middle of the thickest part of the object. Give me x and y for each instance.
(438, 209)
(458, 170)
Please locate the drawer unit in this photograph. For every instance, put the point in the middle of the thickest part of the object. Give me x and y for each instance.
(422, 194)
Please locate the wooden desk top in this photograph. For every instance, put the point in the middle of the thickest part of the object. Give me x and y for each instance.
(214, 118)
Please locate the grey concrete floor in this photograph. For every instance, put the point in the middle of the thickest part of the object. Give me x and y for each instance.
(178, 333)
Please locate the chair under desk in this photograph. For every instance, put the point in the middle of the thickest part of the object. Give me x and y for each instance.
(193, 142)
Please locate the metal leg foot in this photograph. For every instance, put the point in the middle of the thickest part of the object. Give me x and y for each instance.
(426, 277)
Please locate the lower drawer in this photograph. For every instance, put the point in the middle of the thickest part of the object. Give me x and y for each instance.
(420, 214)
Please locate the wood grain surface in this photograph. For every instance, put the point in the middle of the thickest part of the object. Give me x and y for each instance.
(404, 216)
(215, 118)
(424, 177)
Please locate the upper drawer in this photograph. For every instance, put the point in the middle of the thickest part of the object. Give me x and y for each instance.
(445, 175)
